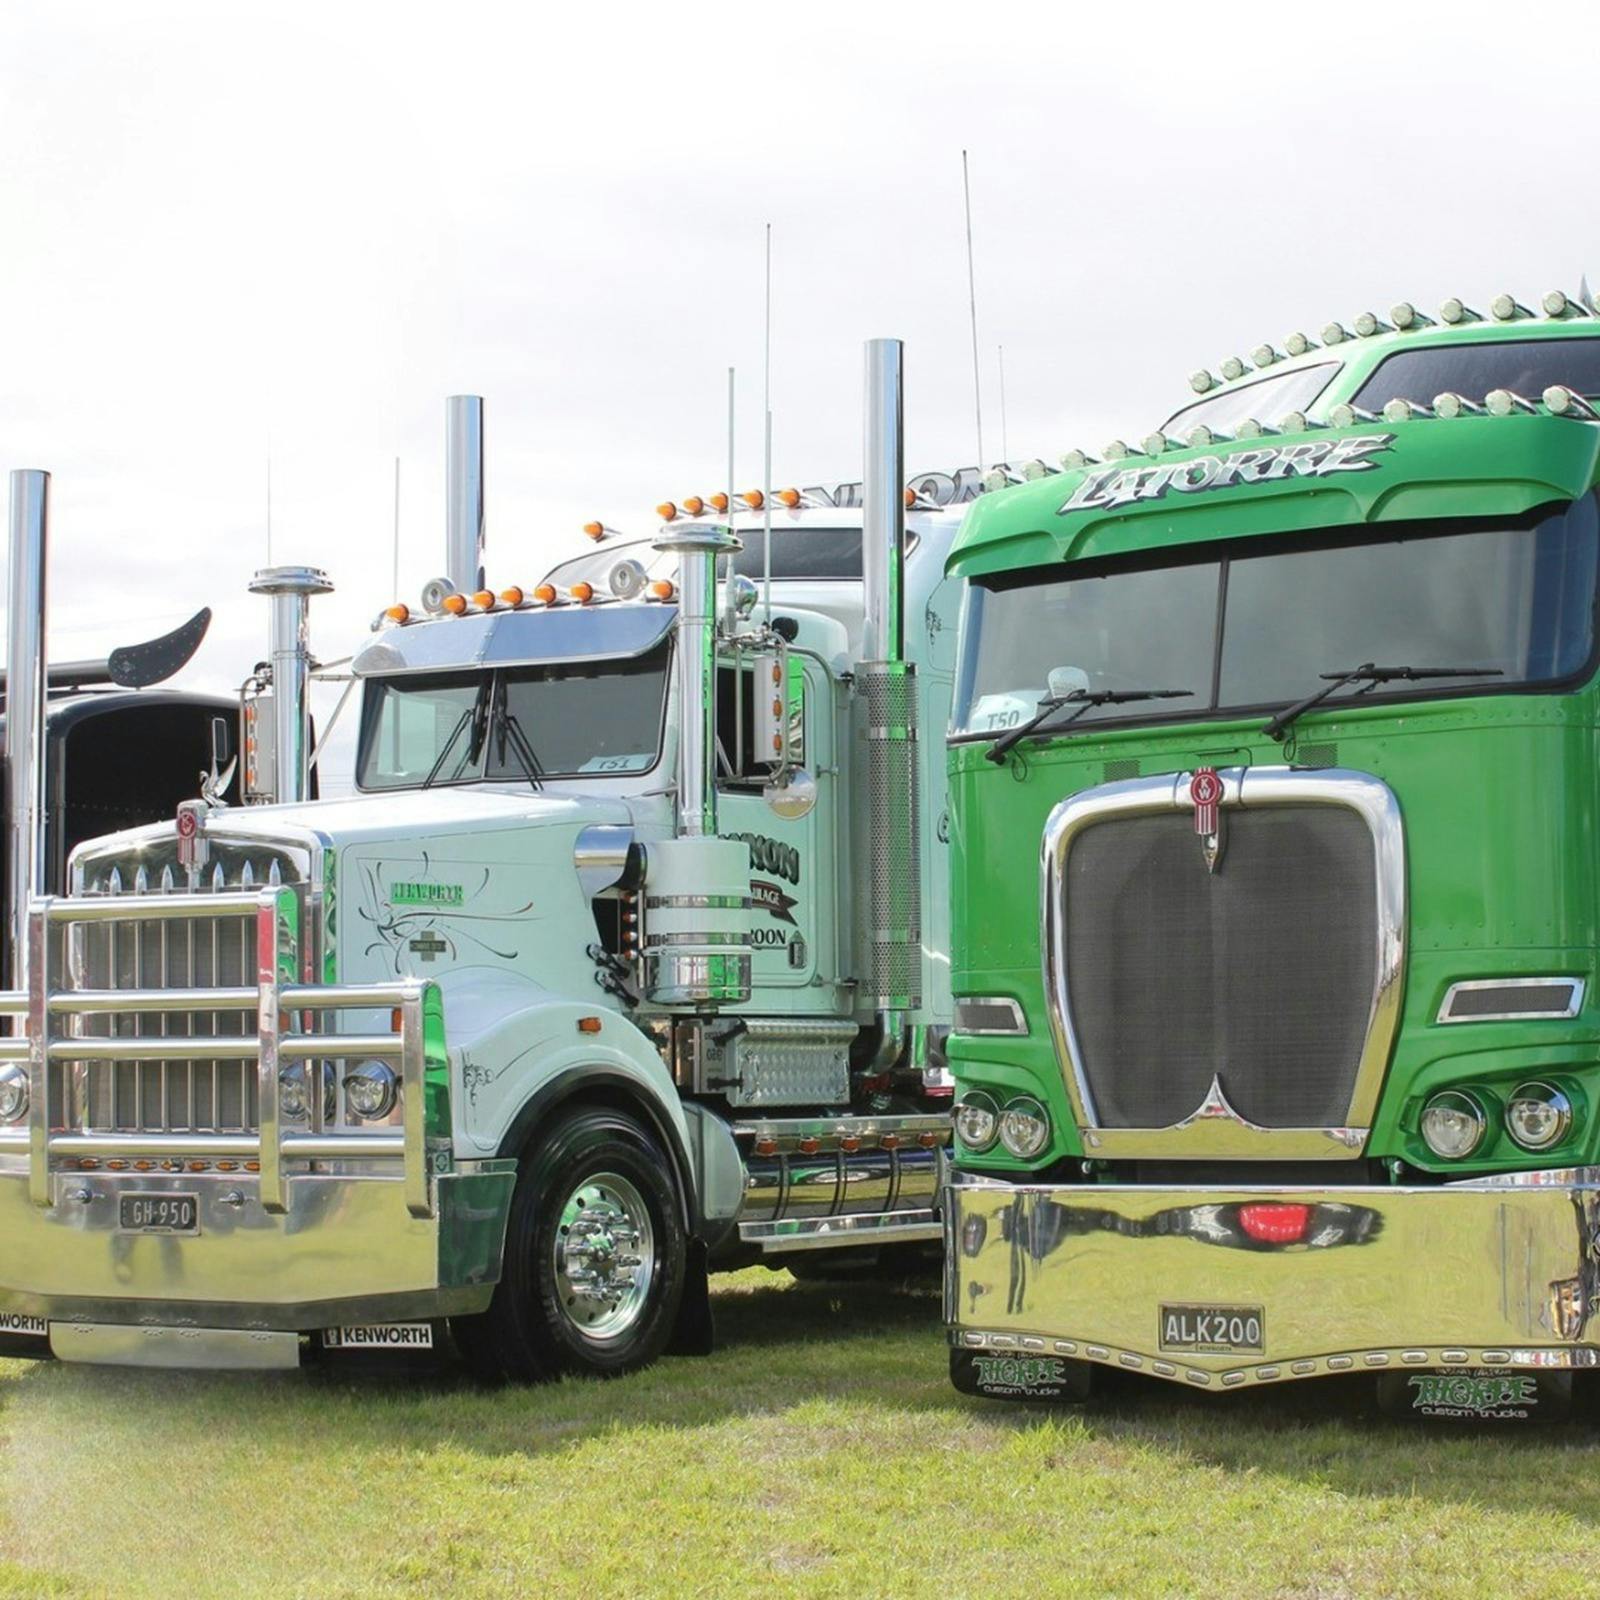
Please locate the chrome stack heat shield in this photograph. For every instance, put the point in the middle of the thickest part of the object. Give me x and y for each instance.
(697, 909)
(290, 590)
(463, 473)
(888, 914)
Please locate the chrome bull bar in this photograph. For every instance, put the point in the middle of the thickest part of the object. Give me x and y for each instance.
(273, 1001)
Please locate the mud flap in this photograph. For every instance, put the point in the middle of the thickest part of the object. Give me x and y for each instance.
(1476, 1395)
(1002, 1376)
(694, 1333)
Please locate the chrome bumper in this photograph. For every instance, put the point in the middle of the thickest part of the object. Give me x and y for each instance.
(1500, 1272)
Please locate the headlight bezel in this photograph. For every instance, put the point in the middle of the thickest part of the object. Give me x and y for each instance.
(1553, 1097)
(14, 1080)
(985, 1104)
(1029, 1110)
(293, 1081)
(369, 1073)
(1469, 1104)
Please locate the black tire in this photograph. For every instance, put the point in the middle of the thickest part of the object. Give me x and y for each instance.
(611, 1168)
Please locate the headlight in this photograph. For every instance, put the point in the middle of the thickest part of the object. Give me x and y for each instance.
(13, 1093)
(1537, 1116)
(292, 1091)
(372, 1089)
(977, 1121)
(1024, 1128)
(1453, 1124)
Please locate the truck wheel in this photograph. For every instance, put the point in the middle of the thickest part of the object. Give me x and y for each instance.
(594, 1259)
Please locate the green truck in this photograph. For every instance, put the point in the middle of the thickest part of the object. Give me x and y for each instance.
(1275, 855)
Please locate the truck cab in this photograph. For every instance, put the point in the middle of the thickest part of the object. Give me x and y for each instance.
(1273, 940)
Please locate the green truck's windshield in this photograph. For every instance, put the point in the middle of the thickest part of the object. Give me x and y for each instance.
(586, 719)
(1253, 628)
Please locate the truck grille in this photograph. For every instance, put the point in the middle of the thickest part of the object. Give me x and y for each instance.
(1260, 974)
(204, 1096)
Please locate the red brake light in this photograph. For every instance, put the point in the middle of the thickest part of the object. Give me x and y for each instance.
(1275, 1223)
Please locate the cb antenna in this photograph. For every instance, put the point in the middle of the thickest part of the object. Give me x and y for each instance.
(396, 588)
(766, 471)
(972, 306)
(1005, 448)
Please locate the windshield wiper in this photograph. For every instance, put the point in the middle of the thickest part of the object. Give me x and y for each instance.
(1371, 676)
(1084, 700)
(474, 717)
(511, 734)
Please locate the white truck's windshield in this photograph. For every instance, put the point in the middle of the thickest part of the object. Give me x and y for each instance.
(583, 720)
(1250, 629)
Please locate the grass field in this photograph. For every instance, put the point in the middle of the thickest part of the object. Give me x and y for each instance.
(821, 1451)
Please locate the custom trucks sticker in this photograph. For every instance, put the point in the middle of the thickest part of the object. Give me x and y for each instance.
(1122, 485)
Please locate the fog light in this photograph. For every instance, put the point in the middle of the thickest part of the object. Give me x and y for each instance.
(1538, 1116)
(1024, 1128)
(292, 1092)
(372, 1090)
(977, 1121)
(1453, 1125)
(13, 1093)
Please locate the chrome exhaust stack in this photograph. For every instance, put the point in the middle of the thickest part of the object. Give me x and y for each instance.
(463, 491)
(288, 737)
(697, 938)
(889, 902)
(25, 714)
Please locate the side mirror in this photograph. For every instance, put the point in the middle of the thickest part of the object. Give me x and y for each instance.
(214, 783)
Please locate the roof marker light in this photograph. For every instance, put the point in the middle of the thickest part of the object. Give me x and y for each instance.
(398, 613)
(1202, 435)
(1345, 415)
(995, 478)
(583, 593)
(1201, 381)
(595, 530)
(1298, 343)
(1405, 316)
(455, 604)
(1335, 333)
(1118, 450)
(1502, 403)
(1370, 323)
(1455, 405)
(1158, 443)
(1507, 308)
(693, 505)
(512, 596)
(719, 502)
(1234, 367)
(662, 589)
(1264, 355)
(1033, 471)
(483, 599)
(1455, 312)
(545, 594)
(666, 511)
(1400, 409)
(753, 498)
(1558, 304)
(1296, 422)
(788, 497)
(1249, 428)
(1076, 460)
(1560, 401)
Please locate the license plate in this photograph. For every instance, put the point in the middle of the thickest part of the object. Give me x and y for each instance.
(1214, 1330)
(158, 1213)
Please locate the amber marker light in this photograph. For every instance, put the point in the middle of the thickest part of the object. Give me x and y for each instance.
(398, 613)
(484, 600)
(583, 593)
(456, 604)
(753, 498)
(595, 530)
(911, 498)
(512, 596)
(545, 594)
(719, 502)
(694, 505)
(788, 497)
(588, 1024)
(662, 589)
(666, 511)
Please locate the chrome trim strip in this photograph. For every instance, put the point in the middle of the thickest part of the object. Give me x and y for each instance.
(1576, 987)
(1019, 1023)
(822, 1233)
(269, 1122)
(1214, 1129)
(413, 1100)
(39, 1056)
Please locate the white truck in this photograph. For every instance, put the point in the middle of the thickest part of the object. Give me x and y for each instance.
(627, 960)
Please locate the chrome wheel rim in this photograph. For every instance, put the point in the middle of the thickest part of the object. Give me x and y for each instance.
(605, 1256)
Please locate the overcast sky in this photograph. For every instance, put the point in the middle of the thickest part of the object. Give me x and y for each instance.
(233, 232)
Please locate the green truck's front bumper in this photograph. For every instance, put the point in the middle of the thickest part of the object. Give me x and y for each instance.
(1227, 1287)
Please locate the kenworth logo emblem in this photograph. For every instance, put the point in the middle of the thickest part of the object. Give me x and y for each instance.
(1121, 485)
(1205, 791)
